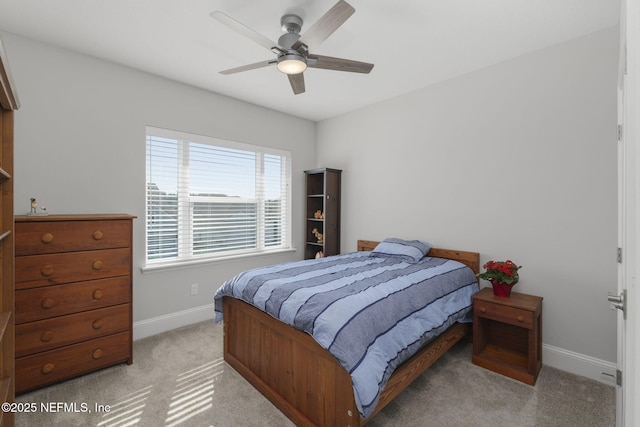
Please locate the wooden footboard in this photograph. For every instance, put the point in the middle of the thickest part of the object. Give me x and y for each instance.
(301, 378)
(288, 367)
(304, 380)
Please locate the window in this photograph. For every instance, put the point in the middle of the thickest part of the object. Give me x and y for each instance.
(209, 198)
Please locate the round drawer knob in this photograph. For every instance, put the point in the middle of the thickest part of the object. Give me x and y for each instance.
(46, 238)
(97, 353)
(97, 264)
(46, 336)
(47, 367)
(47, 303)
(97, 235)
(520, 319)
(483, 309)
(47, 270)
(97, 294)
(97, 324)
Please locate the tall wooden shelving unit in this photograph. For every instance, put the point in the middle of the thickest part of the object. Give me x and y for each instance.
(9, 103)
(323, 197)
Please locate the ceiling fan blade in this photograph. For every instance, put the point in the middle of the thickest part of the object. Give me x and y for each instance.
(243, 29)
(326, 25)
(339, 64)
(249, 67)
(297, 83)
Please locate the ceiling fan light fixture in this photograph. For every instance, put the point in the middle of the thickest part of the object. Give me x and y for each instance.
(292, 64)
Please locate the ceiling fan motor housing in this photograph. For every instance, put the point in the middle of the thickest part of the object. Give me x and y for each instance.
(291, 23)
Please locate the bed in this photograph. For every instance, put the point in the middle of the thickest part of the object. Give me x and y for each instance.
(303, 379)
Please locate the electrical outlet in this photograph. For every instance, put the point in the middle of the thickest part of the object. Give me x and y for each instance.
(194, 289)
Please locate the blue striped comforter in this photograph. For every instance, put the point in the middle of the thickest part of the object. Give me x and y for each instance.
(371, 313)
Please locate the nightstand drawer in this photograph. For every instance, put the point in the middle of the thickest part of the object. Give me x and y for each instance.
(505, 314)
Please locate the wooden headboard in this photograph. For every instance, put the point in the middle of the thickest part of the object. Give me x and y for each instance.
(470, 259)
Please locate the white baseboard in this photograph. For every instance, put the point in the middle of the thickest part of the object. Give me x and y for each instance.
(559, 358)
(156, 325)
(579, 364)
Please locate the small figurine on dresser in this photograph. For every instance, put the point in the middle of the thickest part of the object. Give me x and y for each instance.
(34, 208)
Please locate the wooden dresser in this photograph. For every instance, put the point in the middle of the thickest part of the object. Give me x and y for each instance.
(73, 296)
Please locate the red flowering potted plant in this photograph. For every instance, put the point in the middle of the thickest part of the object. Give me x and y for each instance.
(502, 275)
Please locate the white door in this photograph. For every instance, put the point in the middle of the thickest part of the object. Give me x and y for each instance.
(628, 414)
(624, 248)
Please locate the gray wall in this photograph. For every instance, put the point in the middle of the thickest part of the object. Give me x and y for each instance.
(516, 161)
(80, 148)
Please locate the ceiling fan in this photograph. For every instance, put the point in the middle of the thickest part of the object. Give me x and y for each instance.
(292, 48)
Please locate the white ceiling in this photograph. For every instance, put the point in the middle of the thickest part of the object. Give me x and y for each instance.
(413, 43)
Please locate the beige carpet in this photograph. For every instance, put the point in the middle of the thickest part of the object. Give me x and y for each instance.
(179, 379)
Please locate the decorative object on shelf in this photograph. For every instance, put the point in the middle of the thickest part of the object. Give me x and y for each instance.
(318, 235)
(34, 209)
(319, 254)
(318, 214)
(502, 275)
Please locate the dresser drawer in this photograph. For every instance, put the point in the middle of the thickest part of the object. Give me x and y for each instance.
(42, 303)
(44, 270)
(42, 335)
(66, 362)
(68, 236)
(503, 313)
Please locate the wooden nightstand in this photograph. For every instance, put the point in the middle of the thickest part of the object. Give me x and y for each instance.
(507, 334)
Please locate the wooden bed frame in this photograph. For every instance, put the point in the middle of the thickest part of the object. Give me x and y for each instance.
(304, 380)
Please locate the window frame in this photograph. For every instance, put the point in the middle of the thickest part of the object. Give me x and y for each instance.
(185, 256)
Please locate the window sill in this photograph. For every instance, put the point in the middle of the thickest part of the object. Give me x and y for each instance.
(160, 267)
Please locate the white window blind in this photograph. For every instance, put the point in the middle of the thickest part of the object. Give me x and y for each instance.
(209, 198)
